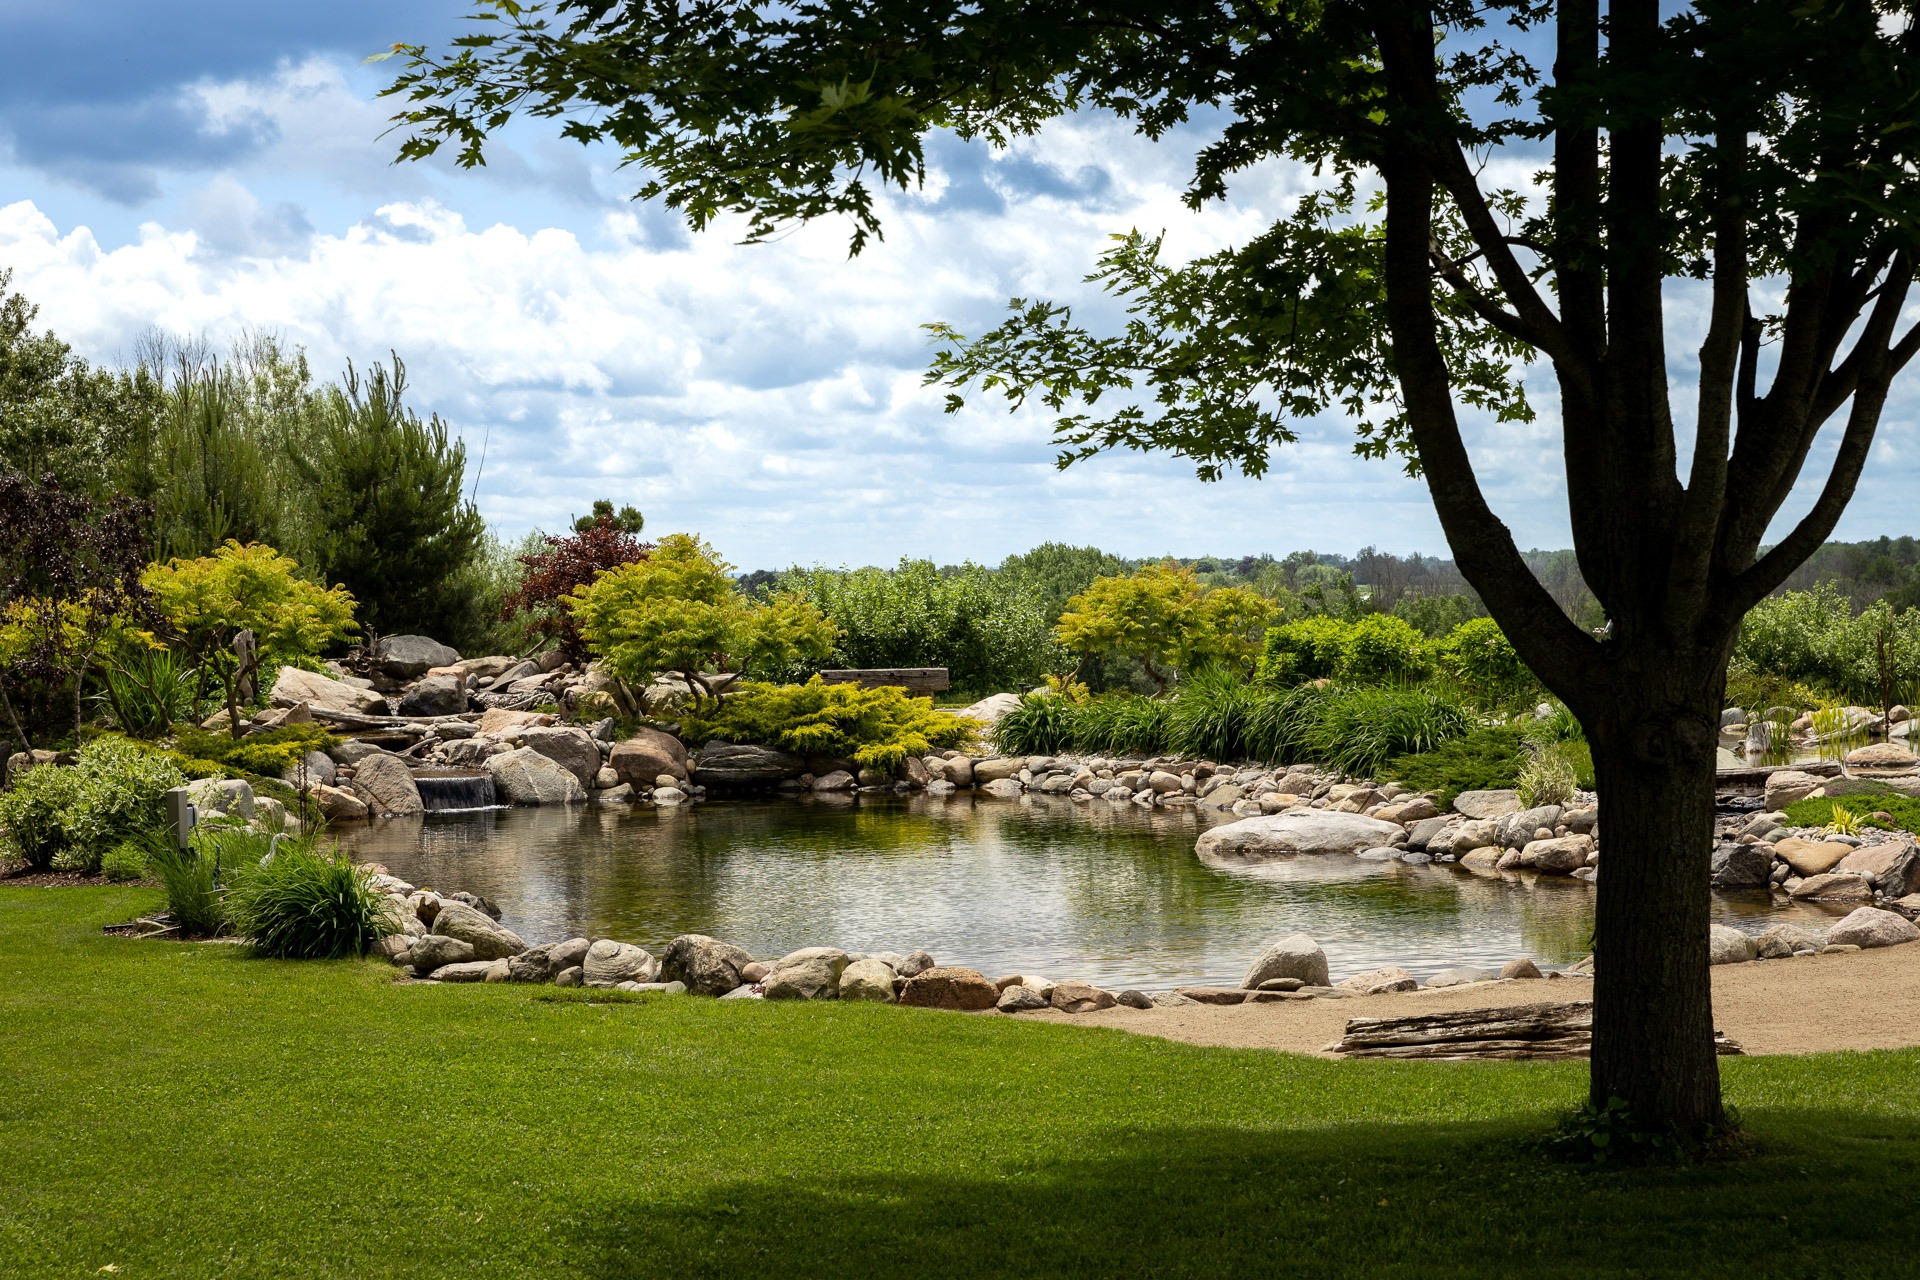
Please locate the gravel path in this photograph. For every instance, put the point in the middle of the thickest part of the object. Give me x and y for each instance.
(1858, 1000)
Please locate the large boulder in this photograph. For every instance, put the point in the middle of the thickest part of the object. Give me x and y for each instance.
(527, 777)
(869, 979)
(314, 769)
(1883, 755)
(646, 755)
(1379, 982)
(809, 974)
(410, 657)
(1296, 831)
(434, 696)
(429, 953)
(1727, 945)
(1487, 804)
(489, 939)
(1075, 996)
(1834, 886)
(535, 964)
(1783, 941)
(995, 768)
(1872, 927)
(726, 764)
(950, 988)
(1786, 786)
(1893, 864)
(338, 805)
(1294, 956)
(1422, 833)
(293, 685)
(469, 971)
(1742, 866)
(610, 963)
(1517, 829)
(708, 967)
(501, 722)
(1811, 857)
(1557, 856)
(572, 749)
(387, 785)
(990, 708)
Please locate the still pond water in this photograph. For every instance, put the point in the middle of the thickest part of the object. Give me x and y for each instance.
(1039, 885)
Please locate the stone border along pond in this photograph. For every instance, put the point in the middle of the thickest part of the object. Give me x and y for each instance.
(440, 747)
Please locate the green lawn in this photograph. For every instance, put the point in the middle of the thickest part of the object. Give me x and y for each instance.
(181, 1110)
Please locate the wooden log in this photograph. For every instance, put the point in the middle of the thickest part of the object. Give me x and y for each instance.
(1752, 779)
(912, 679)
(1538, 1031)
(1524, 1021)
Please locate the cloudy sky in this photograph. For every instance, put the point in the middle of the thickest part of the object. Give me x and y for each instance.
(213, 165)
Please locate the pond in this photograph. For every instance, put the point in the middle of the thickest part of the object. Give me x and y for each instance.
(1111, 894)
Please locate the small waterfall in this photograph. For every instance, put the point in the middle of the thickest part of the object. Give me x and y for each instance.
(443, 791)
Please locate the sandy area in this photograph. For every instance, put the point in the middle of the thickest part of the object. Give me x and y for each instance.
(1854, 1000)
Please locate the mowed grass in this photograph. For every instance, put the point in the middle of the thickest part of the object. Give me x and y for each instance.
(184, 1110)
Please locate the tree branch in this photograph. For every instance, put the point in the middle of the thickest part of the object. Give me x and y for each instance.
(1483, 306)
(1694, 545)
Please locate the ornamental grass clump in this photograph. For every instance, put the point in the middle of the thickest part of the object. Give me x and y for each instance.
(1358, 730)
(1042, 725)
(1548, 777)
(876, 728)
(1209, 718)
(308, 903)
(192, 880)
(1123, 724)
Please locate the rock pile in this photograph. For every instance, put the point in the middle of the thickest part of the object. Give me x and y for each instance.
(1759, 851)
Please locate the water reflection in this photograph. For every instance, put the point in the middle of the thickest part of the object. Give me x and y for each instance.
(1040, 884)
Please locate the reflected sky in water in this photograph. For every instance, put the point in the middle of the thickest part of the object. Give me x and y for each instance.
(1112, 894)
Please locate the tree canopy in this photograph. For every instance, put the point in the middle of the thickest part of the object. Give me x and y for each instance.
(1494, 192)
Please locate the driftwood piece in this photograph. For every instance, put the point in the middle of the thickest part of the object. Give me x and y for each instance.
(1540, 1032)
(356, 720)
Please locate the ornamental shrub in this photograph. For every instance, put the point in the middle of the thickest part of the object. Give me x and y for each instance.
(1376, 648)
(563, 565)
(69, 817)
(876, 728)
(1164, 616)
(1480, 658)
(1484, 759)
(1357, 730)
(268, 753)
(1305, 649)
(679, 610)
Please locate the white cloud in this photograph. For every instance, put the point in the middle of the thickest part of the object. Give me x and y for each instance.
(768, 397)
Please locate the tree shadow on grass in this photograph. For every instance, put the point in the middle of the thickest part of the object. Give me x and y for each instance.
(1820, 1195)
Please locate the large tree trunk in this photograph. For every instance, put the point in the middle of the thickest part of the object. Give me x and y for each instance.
(1653, 752)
